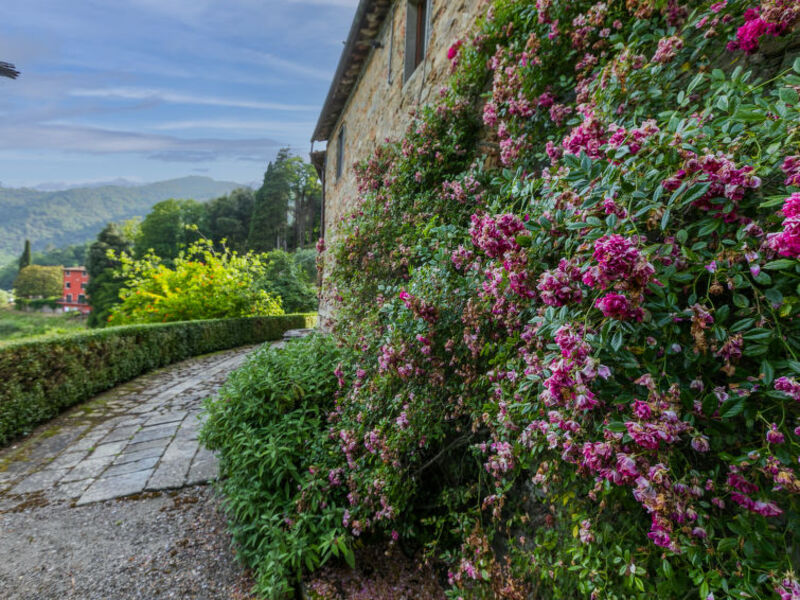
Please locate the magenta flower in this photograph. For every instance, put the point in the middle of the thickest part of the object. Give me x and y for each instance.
(616, 306)
(774, 436)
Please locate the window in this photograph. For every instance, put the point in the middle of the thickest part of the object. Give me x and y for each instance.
(67, 285)
(84, 273)
(417, 33)
(340, 153)
(81, 299)
(83, 285)
(69, 298)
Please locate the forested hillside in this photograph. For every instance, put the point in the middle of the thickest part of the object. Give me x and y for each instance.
(77, 215)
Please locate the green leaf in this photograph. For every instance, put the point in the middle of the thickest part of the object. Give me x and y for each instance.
(665, 219)
(768, 371)
(616, 341)
(796, 65)
(774, 295)
(617, 427)
(789, 96)
(740, 301)
(734, 408)
(780, 265)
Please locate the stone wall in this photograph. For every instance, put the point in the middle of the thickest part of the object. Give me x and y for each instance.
(379, 106)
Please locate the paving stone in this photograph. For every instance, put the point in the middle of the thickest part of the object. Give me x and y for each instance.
(131, 467)
(86, 442)
(73, 489)
(55, 444)
(205, 467)
(91, 467)
(111, 449)
(170, 417)
(174, 465)
(67, 460)
(161, 443)
(39, 481)
(142, 409)
(155, 433)
(169, 475)
(121, 434)
(129, 456)
(107, 488)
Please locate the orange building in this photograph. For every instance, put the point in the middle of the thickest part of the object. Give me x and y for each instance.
(73, 296)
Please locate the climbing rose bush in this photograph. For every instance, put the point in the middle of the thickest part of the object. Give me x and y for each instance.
(567, 304)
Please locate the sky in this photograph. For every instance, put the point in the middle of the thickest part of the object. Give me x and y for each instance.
(148, 90)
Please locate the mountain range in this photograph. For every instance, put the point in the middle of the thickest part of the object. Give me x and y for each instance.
(75, 216)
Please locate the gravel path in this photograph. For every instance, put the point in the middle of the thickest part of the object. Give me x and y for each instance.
(167, 545)
(104, 503)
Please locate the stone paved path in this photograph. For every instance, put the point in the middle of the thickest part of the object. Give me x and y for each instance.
(139, 437)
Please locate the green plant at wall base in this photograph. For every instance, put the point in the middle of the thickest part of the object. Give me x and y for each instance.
(269, 428)
(202, 283)
(42, 377)
(570, 351)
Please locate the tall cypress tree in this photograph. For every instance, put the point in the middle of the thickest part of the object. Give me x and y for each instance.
(25, 260)
(104, 285)
(269, 225)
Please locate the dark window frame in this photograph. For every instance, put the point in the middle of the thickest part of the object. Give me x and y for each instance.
(418, 30)
(340, 143)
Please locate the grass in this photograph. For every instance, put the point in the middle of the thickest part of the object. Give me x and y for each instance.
(16, 325)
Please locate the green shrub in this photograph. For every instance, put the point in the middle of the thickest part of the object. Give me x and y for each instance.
(269, 427)
(43, 377)
(201, 283)
(286, 278)
(37, 281)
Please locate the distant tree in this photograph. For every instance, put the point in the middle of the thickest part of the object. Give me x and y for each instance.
(306, 201)
(25, 260)
(104, 283)
(164, 229)
(269, 224)
(36, 281)
(228, 217)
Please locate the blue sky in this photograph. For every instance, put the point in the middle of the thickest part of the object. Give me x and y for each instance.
(153, 89)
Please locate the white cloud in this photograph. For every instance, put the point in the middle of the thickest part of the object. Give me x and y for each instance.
(235, 125)
(156, 95)
(92, 140)
(292, 67)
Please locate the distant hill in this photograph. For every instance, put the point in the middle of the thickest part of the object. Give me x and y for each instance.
(76, 215)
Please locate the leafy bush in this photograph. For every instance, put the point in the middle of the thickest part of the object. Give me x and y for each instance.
(306, 259)
(43, 377)
(571, 351)
(202, 283)
(268, 426)
(35, 281)
(287, 279)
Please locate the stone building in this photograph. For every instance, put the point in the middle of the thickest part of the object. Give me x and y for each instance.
(394, 59)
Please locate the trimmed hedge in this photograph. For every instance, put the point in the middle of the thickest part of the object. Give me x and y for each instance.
(41, 378)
